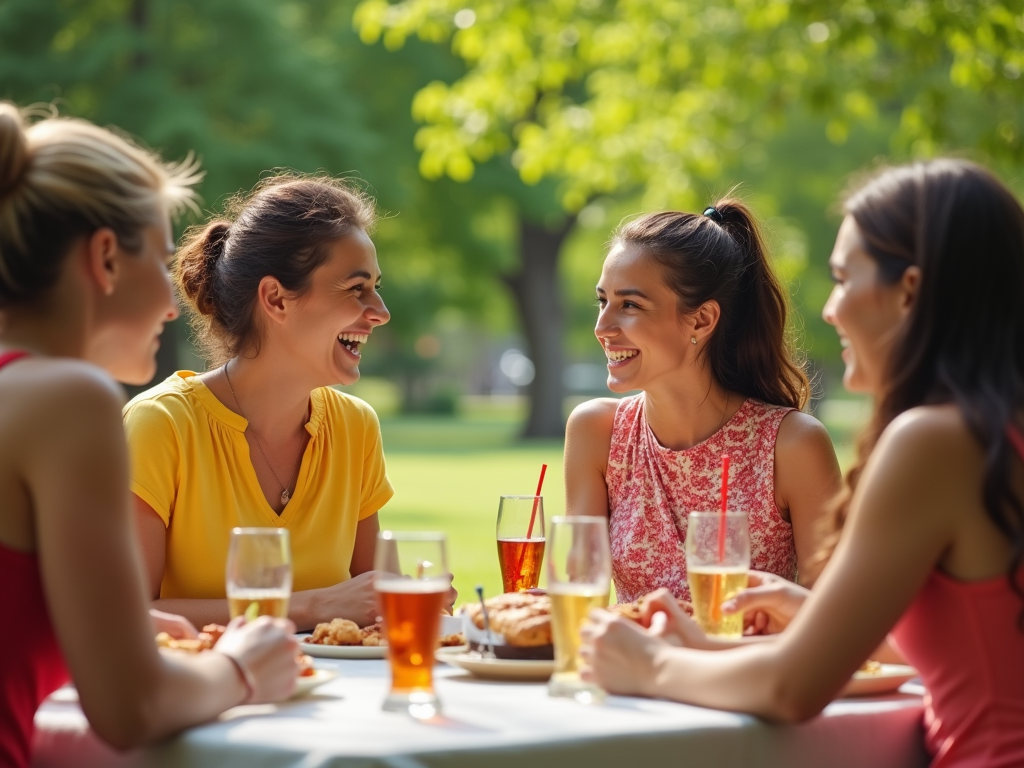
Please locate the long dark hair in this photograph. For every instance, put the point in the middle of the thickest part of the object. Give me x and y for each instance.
(283, 228)
(965, 230)
(722, 257)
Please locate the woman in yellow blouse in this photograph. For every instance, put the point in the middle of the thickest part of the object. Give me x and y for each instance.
(283, 294)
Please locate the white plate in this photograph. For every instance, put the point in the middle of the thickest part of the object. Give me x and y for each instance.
(450, 625)
(342, 651)
(307, 683)
(888, 679)
(496, 669)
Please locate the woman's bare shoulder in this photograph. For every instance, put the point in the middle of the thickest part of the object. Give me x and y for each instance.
(45, 391)
(593, 418)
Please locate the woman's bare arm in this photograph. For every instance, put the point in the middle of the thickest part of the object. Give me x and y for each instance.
(353, 599)
(807, 480)
(76, 466)
(588, 436)
(910, 500)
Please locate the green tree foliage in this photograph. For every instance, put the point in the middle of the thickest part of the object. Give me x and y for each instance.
(608, 96)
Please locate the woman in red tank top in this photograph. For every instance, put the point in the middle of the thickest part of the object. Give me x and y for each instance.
(929, 272)
(84, 241)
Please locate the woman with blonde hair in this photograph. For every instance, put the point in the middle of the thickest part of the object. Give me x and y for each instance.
(84, 293)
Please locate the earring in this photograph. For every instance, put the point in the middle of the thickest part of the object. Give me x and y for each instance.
(693, 339)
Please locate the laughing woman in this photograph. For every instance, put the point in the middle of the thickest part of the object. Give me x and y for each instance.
(692, 315)
(932, 523)
(283, 293)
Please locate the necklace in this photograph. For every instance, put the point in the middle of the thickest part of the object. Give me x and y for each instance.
(286, 495)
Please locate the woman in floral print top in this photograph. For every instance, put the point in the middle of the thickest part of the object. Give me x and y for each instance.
(692, 316)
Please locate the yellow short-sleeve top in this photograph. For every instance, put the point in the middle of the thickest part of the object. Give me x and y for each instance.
(190, 463)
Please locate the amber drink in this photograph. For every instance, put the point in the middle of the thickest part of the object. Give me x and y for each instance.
(267, 602)
(579, 578)
(259, 572)
(521, 542)
(412, 585)
(717, 562)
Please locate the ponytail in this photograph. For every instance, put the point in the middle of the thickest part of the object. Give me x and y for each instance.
(720, 256)
(196, 268)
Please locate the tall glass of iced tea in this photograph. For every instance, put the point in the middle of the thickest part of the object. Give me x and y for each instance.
(520, 541)
(259, 572)
(412, 585)
(579, 578)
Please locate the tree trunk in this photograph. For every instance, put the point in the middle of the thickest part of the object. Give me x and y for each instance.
(537, 291)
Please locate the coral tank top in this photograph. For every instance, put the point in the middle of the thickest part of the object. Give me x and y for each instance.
(652, 490)
(965, 640)
(31, 664)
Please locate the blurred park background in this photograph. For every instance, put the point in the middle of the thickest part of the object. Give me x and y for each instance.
(504, 140)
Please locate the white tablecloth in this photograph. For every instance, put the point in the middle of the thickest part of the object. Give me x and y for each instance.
(498, 725)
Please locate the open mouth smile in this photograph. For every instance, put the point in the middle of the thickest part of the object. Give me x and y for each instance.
(619, 356)
(352, 342)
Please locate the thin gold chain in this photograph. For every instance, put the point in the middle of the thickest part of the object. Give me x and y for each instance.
(286, 495)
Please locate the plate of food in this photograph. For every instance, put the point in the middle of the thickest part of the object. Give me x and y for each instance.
(523, 670)
(344, 639)
(875, 678)
(310, 677)
(516, 644)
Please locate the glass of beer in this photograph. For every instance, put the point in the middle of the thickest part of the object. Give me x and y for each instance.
(520, 541)
(259, 572)
(412, 585)
(579, 577)
(717, 562)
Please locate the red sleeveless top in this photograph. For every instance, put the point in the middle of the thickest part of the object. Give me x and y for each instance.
(31, 664)
(652, 490)
(964, 639)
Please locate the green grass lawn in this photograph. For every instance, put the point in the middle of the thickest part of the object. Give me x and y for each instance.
(448, 473)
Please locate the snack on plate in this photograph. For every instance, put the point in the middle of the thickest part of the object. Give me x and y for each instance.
(871, 667)
(634, 611)
(521, 621)
(208, 638)
(345, 632)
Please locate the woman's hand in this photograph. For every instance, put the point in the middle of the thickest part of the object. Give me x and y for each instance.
(355, 600)
(619, 655)
(174, 625)
(267, 655)
(674, 625)
(769, 603)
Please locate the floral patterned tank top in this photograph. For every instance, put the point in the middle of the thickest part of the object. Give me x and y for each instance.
(652, 489)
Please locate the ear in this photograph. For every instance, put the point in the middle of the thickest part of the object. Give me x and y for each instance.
(272, 298)
(705, 319)
(101, 259)
(910, 284)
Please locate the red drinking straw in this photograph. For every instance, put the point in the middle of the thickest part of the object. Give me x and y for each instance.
(725, 504)
(536, 501)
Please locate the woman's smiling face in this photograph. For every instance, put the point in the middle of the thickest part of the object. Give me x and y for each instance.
(340, 310)
(866, 313)
(643, 333)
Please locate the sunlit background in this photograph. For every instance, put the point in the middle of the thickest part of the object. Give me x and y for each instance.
(504, 140)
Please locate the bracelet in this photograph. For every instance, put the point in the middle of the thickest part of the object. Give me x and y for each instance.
(246, 676)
